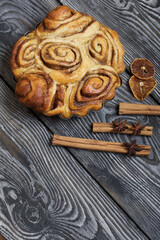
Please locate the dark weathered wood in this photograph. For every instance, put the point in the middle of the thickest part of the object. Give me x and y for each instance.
(16, 19)
(138, 26)
(133, 182)
(45, 193)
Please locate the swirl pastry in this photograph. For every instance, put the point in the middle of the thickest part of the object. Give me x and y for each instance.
(68, 65)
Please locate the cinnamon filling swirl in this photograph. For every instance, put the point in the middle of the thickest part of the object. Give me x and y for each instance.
(26, 53)
(68, 65)
(60, 56)
(94, 88)
(98, 48)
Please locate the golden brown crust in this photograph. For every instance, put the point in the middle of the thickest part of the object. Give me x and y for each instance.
(68, 65)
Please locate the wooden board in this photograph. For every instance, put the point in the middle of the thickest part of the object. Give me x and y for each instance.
(138, 26)
(134, 183)
(45, 193)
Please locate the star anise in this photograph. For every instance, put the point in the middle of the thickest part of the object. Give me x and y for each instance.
(132, 148)
(137, 128)
(119, 126)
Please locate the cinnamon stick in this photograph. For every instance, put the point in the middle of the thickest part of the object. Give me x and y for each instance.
(108, 127)
(144, 109)
(97, 145)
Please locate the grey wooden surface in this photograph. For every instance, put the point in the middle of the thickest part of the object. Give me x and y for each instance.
(56, 193)
(45, 192)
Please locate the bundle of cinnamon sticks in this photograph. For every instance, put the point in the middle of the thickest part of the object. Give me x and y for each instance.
(109, 128)
(96, 145)
(116, 147)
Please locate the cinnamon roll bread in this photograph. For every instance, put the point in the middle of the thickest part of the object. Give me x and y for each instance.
(68, 65)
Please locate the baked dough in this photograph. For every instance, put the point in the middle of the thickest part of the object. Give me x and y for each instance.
(68, 65)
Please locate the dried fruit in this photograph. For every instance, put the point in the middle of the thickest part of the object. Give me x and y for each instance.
(142, 68)
(141, 88)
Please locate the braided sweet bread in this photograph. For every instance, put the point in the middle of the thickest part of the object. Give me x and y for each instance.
(68, 65)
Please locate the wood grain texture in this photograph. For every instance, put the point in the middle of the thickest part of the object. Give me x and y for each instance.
(133, 182)
(137, 23)
(45, 194)
(16, 19)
